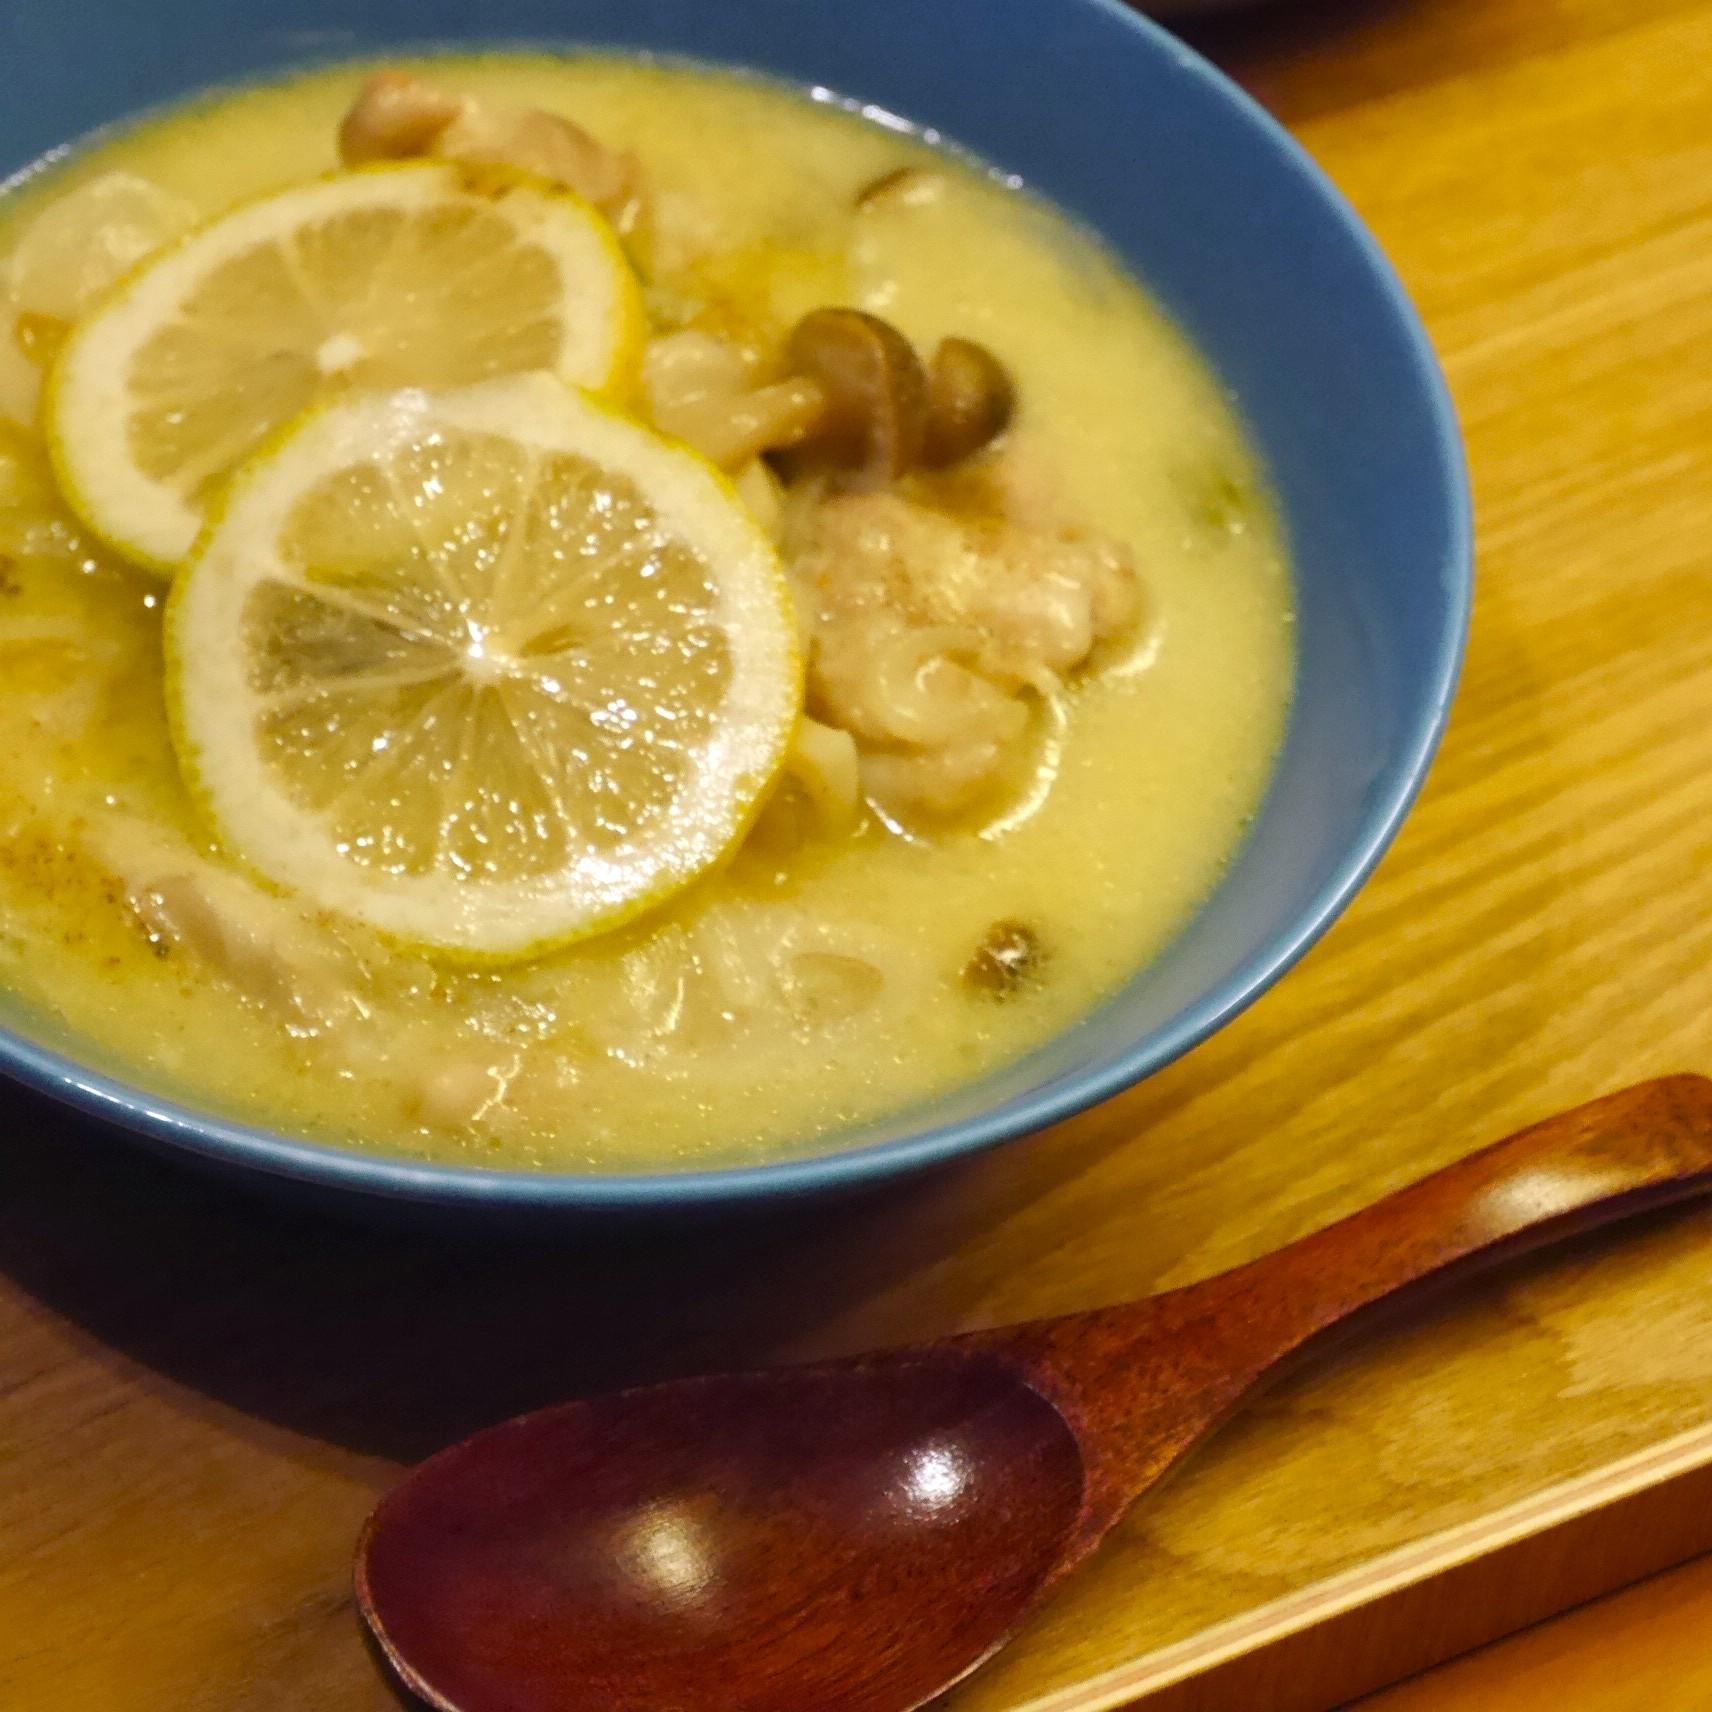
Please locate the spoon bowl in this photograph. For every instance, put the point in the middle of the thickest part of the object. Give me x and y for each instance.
(869, 1529)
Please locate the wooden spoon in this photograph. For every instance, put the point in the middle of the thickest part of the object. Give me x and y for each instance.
(856, 1536)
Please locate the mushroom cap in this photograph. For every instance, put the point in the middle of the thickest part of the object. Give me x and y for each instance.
(971, 400)
(874, 424)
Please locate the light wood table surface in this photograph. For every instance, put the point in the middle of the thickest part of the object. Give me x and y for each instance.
(1581, 104)
(201, 1395)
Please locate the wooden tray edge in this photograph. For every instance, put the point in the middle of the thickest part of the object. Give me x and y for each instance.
(1433, 1599)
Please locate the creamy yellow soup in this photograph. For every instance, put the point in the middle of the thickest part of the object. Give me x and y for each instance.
(813, 983)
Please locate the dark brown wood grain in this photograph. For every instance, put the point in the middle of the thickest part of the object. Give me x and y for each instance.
(859, 1535)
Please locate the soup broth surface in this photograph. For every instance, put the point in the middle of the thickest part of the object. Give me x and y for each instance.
(813, 983)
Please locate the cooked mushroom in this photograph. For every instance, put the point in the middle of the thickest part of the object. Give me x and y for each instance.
(554, 147)
(1217, 497)
(394, 117)
(970, 402)
(875, 419)
(1009, 957)
(397, 117)
(903, 186)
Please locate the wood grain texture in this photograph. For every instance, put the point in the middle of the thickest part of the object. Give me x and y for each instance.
(1636, 1651)
(201, 1395)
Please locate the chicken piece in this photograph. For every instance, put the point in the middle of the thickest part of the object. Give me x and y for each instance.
(709, 392)
(824, 988)
(62, 672)
(261, 946)
(1030, 605)
(460, 1090)
(755, 957)
(889, 681)
(938, 783)
(825, 769)
(76, 247)
(84, 240)
(397, 117)
(264, 946)
(760, 490)
(931, 634)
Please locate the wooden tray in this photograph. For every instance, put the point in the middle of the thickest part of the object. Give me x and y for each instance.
(201, 1394)
(1531, 1446)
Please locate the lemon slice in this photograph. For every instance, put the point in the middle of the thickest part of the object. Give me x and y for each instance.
(85, 239)
(491, 670)
(428, 274)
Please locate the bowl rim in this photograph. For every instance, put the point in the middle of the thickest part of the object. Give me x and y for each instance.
(179, 1128)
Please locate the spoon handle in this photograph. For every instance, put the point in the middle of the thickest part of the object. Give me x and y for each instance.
(1158, 1374)
(1641, 1148)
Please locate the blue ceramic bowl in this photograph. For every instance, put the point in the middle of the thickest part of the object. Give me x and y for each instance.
(1247, 244)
